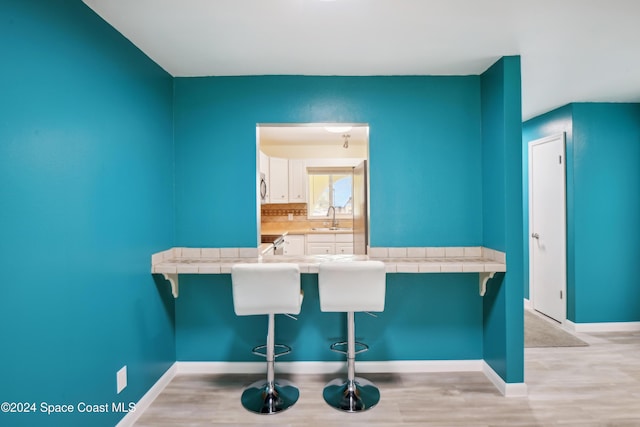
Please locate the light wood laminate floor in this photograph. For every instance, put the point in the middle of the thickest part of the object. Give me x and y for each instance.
(597, 385)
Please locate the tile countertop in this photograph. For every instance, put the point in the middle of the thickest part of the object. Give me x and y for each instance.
(301, 229)
(485, 261)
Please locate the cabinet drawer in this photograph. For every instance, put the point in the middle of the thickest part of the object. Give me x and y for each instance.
(344, 248)
(320, 248)
(344, 238)
(329, 237)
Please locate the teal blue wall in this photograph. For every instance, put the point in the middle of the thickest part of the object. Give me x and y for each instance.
(425, 157)
(425, 175)
(603, 207)
(86, 156)
(87, 161)
(427, 153)
(502, 217)
(427, 317)
(606, 174)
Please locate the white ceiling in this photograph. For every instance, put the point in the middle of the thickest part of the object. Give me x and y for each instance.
(314, 140)
(317, 133)
(571, 50)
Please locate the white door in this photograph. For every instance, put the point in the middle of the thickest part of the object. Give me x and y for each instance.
(547, 227)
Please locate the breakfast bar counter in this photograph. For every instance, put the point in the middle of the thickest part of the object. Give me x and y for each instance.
(480, 260)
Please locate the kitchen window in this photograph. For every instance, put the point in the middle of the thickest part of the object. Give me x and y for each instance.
(330, 187)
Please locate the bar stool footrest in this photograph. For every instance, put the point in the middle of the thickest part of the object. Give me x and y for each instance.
(257, 350)
(362, 349)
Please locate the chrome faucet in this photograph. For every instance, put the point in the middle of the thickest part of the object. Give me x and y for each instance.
(334, 224)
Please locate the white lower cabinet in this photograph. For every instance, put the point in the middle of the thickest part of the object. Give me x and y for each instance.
(293, 244)
(321, 248)
(344, 248)
(329, 244)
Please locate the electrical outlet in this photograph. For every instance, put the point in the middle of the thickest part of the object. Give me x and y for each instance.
(121, 379)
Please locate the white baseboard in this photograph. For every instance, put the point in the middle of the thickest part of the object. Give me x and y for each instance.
(146, 400)
(602, 327)
(507, 389)
(593, 327)
(392, 366)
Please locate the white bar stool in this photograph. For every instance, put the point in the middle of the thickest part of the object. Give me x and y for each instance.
(267, 289)
(351, 286)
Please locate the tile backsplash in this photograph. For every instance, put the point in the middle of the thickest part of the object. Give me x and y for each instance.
(277, 214)
(280, 211)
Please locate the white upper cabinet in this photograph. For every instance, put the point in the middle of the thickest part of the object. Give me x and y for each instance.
(297, 181)
(278, 180)
(287, 180)
(264, 164)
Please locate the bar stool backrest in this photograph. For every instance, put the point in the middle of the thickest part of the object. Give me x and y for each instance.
(346, 286)
(266, 288)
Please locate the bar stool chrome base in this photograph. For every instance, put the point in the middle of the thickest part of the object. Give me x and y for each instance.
(264, 398)
(351, 396)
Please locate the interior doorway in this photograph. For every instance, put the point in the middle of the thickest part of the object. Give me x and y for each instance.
(326, 188)
(547, 227)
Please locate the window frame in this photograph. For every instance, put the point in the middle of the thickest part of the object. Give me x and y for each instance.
(330, 171)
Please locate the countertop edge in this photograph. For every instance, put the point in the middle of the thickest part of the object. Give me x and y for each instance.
(396, 260)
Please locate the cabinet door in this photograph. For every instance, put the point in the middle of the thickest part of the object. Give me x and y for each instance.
(321, 248)
(278, 180)
(297, 181)
(264, 164)
(293, 244)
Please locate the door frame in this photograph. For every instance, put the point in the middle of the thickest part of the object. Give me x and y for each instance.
(563, 184)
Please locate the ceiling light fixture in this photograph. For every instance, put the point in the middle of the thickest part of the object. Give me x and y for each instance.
(337, 129)
(346, 137)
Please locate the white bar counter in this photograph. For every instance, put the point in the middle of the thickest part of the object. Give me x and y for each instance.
(483, 261)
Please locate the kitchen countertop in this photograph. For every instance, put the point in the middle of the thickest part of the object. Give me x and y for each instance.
(300, 229)
(485, 261)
